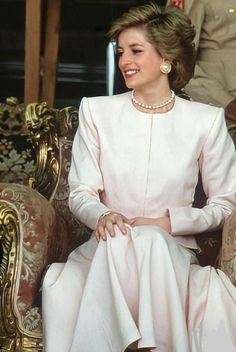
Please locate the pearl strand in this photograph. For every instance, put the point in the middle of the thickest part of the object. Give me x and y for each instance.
(153, 107)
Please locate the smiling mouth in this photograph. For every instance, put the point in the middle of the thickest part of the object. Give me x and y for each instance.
(130, 73)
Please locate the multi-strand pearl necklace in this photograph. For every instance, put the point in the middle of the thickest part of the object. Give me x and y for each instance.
(153, 107)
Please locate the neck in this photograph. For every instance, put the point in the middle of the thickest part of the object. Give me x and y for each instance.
(153, 93)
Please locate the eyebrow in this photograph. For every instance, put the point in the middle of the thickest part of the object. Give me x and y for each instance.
(131, 45)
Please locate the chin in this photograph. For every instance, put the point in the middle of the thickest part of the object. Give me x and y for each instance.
(134, 85)
(129, 85)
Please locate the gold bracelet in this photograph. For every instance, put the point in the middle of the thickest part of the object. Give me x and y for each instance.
(104, 214)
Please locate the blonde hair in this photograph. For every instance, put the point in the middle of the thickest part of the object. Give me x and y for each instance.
(170, 31)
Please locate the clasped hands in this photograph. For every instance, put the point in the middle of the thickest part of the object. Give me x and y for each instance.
(105, 224)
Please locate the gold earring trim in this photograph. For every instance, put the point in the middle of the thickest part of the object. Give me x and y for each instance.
(165, 67)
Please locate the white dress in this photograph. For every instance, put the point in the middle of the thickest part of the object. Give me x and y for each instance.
(145, 286)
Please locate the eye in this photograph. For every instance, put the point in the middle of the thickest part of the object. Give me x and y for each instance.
(119, 53)
(137, 51)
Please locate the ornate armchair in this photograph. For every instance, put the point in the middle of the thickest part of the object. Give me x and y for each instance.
(37, 228)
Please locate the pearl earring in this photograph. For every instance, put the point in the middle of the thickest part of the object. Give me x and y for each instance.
(165, 67)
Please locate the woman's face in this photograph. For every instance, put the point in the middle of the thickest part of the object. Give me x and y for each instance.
(139, 62)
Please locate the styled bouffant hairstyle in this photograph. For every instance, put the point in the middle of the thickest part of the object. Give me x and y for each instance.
(170, 31)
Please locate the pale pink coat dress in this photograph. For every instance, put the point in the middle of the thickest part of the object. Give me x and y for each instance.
(146, 285)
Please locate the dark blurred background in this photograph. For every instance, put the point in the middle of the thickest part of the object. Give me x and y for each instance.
(81, 67)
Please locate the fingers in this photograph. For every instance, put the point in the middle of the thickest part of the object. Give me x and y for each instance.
(100, 232)
(105, 225)
(121, 225)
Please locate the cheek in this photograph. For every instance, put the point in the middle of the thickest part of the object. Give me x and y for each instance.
(119, 64)
(156, 69)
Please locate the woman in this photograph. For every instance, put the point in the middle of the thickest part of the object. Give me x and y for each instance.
(136, 158)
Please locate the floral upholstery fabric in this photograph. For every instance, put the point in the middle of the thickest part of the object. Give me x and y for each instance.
(209, 242)
(39, 227)
(17, 159)
(49, 232)
(17, 154)
(77, 232)
(228, 257)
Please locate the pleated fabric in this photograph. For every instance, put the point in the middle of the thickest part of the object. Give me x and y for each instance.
(142, 287)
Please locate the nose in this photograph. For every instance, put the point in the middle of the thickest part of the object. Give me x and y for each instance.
(124, 59)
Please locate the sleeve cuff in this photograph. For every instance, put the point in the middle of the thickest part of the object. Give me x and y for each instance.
(90, 214)
(188, 220)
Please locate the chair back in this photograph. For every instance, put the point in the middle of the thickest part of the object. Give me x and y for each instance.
(52, 132)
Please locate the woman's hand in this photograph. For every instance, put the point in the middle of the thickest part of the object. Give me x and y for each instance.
(107, 223)
(163, 222)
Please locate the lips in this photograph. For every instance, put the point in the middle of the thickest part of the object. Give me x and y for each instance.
(130, 73)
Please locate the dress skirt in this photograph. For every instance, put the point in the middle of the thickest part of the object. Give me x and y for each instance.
(143, 287)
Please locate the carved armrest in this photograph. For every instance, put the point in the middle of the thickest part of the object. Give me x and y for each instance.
(228, 255)
(31, 237)
(48, 128)
(232, 129)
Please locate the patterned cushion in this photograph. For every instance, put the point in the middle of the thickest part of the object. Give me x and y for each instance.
(39, 226)
(17, 154)
(228, 258)
(209, 242)
(17, 159)
(78, 233)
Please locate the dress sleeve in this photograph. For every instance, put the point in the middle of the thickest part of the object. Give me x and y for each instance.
(217, 165)
(85, 178)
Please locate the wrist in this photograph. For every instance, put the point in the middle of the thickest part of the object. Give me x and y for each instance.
(103, 215)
